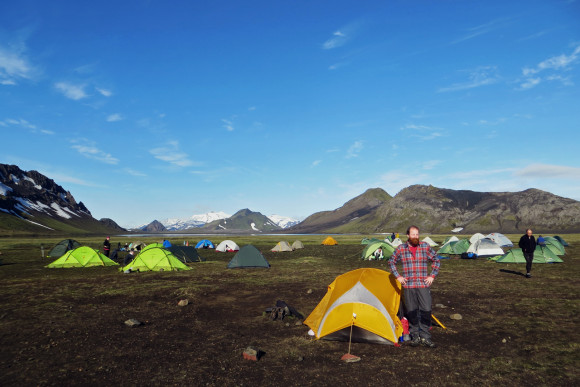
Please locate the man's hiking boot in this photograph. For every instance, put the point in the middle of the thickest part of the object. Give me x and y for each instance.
(415, 341)
(428, 343)
(528, 275)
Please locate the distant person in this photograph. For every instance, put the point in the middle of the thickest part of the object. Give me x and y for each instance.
(126, 248)
(393, 237)
(528, 246)
(415, 257)
(166, 244)
(129, 257)
(107, 246)
(541, 241)
(378, 253)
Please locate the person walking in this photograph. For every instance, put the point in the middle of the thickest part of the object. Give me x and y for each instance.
(415, 257)
(528, 245)
(107, 246)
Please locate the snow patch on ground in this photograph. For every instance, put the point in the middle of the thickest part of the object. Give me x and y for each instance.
(70, 211)
(33, 182)
(38, 224)
(4, 189)
(219, 225)
(14, 179)
(254, 227)
(59, 211)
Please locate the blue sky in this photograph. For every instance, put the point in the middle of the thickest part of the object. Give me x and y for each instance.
(153, 109)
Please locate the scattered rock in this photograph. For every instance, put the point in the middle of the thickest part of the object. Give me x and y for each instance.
(287, 324)
(300, 358)
(309, 291)
(133, 322)
(441, 306)
(183, 302)
(455, 316)
(504, 341)
(299, 322)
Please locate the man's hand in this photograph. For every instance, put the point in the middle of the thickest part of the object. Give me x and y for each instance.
(429, 280)
(402, 280)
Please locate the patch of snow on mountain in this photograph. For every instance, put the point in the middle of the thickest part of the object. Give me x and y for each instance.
(4, 189)
(59, 211)
(175, 224)
(14, 179)
(283, 221)
(33, 182)
(219, 225)
(38, 224)
(70, 211)
(254, 226)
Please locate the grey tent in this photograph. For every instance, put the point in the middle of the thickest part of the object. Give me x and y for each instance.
(248, 256)
(186, 253)
(62, 247)
(297, 245)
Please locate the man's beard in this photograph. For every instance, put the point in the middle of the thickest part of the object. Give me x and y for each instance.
(414, 241)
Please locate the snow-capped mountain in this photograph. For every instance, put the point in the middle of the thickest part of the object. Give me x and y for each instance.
(176, 224)
(283, 221)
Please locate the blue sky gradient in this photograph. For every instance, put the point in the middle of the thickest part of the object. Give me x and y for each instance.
(153, 109)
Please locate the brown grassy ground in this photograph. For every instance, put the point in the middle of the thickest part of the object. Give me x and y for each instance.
(66, 326)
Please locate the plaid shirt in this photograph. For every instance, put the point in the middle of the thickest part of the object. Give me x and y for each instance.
(415, 267)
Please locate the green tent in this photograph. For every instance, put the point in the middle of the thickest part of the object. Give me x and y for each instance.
(83, 256)
(248, 256)
(541, 255)
(186, 254)
(155, 259)
(369, 250)
(457, 247)
(367, 241)
(152, 246)
(62, 247)
(555, 245)
(561, 240)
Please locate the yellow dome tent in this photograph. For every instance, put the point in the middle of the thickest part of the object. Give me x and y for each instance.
(329, 241)
(372, 295)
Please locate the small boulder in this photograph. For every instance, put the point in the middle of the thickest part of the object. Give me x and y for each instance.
(455, 316)
(133, 323)
(309, 291)
(441, 306)
(183, 302)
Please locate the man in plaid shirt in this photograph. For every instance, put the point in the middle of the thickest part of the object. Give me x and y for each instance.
(415, 256)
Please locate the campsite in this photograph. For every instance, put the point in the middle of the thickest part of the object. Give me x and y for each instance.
(66, 326)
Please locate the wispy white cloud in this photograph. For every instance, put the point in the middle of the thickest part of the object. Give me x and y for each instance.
(430, 164)
(530, 82)
(251, 108)
(354, 149)
(423, 132)
(481, 29)
(228, 125)
(114, 117)
(71, 91)
(556, 63)
(89, 150)
(133, 172)
(172, 154)
(315, 163)
(547, 171)
(104, 92)
(342, 36)
(481, 76)
(14, 65)
(24, 124)
(478, 173)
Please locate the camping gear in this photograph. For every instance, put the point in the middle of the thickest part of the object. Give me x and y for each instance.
(62, 247)
(457, 247)
(228, 246)
(282, 246)
(248, 257)
(369, 251)
(152, 246)
(431, 242)
(282, 310)
(297, 245)
(396, 242)
(373, 295)
(450, 239)
(475, 237)
(555, 245)
(329, 241)
(485, 248)
(155, 259)
(541, 255)
(205, 244)
(186, 254)
(348, 357)
(138, 245)
(561, 240)
(366, 241)
(83, 256)
(500, 239)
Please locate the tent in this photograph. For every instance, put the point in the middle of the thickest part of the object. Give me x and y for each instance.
(155, 259)
(396, 242)
(62, 247)
(366, 241)
(205, 244)
(297, 245)
(329, 241)
(369, 250)
(454, 247)
(475, 237)
(451, 239)
(431, 242)
(541, 255)
(372, 295)
(227, 245)
(83, 256)
(555, 245)
(248, 256)
(282, 246)
(561, 240)
(485, 248)
(186, 253)
(500, 239)
(152, 246)
(138, 245)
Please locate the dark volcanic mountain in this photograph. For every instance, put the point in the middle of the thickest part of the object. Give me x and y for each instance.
(243, 221)
(155, 226)
(438, 210)
(32, 203)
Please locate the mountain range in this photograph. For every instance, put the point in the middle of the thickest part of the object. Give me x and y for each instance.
(31, 203)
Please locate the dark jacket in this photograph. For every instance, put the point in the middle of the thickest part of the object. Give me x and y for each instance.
(527, 244)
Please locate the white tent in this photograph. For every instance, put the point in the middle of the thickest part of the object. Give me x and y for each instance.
(227, 245)
(475, 237)
(282, 246)
(485, 248)
(394, 243)
(500, 239)
(431, 242)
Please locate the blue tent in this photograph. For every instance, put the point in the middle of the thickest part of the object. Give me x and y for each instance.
(205, 244)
